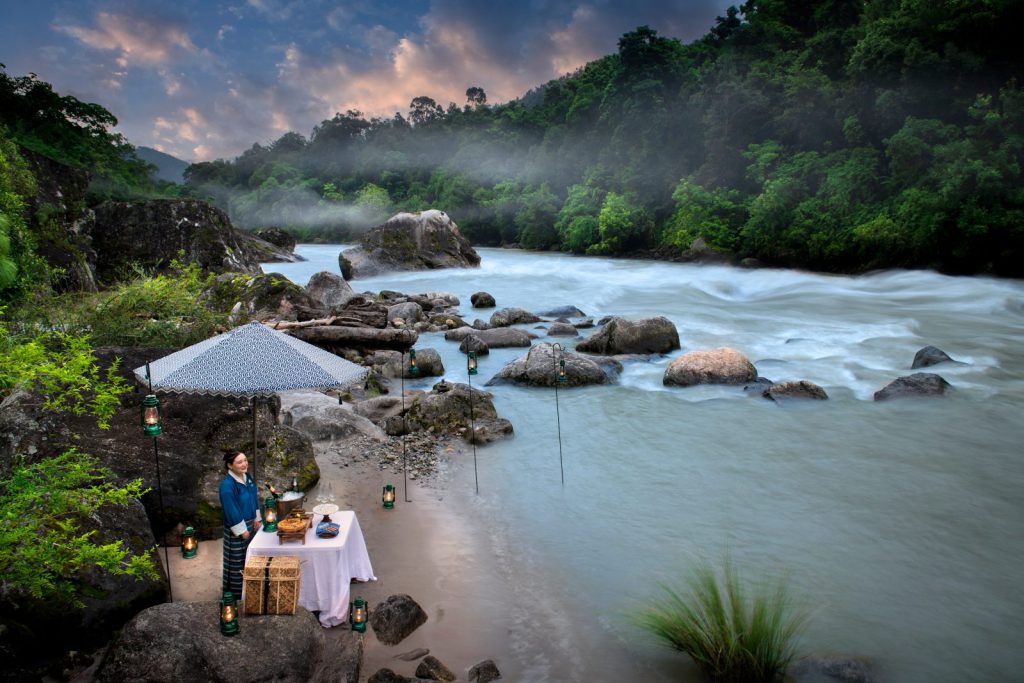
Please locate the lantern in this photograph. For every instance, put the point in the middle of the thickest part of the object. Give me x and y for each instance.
(413, 370)
(388, 496)
(471, 362)
(270, 514)
(151, 416)
(562, 378)
(189, 544)
(228, 614)
(357, 615)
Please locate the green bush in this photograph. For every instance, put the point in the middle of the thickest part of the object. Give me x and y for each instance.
(733, 638)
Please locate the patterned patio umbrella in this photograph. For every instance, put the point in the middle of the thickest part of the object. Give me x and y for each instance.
(250, 360)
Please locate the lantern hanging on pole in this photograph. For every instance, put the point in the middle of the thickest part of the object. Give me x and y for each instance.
(413, 369)
(388, 496)
(151, 416)
(228, 614)
(562, 378)
(357, 615)
(189, 544)
(471, 362)
(270, 514)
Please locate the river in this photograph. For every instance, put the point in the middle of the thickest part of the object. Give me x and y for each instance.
(899, 525)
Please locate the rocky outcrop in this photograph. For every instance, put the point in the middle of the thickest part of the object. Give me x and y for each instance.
(795, 389)
(714, 366)
(497, 338)
(266, 252)
(278, 237)
(328, 291)
(928, 356)
(540, 368)
(181, 641)
(321, 417)
(412, 241)
(152, 233)
(482, 300)
(248, 296)
(512, 316)
(918, 385)
(618, 336)
(395, 618)
(451, 408)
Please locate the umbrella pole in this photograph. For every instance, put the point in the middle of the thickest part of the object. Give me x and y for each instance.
(255, 448)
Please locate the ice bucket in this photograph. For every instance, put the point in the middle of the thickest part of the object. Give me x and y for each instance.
(288, 501)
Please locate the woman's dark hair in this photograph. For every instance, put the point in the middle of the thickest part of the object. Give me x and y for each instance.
(229, 457)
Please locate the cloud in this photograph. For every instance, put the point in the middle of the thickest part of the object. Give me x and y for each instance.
(143, 40)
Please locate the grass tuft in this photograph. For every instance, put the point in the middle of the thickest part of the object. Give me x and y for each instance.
(731, 637)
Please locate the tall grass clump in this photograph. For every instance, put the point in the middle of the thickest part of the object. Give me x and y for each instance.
(732, 637)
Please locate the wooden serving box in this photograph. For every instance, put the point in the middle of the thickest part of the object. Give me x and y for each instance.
(296, 528)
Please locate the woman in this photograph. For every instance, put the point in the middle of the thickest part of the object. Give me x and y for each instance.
(239, 501)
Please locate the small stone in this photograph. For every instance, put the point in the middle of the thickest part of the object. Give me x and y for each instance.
(431, 668)
(485, 672)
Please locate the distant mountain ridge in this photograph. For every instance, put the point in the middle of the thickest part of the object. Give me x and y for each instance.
(169, 168)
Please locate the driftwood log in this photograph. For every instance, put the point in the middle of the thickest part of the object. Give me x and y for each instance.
(336, 337)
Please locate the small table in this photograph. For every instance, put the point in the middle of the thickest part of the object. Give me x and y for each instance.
(327, 565)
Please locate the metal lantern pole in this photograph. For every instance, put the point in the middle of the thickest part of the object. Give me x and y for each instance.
(405, 478)
(470, 371)
(559, 378)
(160, 495)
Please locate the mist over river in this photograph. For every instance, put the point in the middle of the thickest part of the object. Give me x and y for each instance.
(899, 524)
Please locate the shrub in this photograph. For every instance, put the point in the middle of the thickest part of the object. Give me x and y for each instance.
(733, 638)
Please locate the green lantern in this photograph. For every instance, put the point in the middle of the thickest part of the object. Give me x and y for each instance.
(388, 496)
(562, 378)
(471, 362)
(228, 614)
(357, 615)
(270, 514)
(189, 544)
(151, 417)
(413, 368)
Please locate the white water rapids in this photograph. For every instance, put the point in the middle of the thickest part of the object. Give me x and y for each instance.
(899, 524)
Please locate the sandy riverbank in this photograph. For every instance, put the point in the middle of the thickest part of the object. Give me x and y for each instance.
(424, 548)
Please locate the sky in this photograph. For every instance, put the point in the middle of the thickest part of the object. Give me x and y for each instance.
(204, 80)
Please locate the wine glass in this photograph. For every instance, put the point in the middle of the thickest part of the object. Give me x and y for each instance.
(330, 494)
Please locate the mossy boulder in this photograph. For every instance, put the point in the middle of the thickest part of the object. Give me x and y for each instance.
(425, 240)
(262, 293)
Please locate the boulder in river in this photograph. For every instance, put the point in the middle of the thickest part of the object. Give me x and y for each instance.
(713, 366)
(512, 316)
(928, 356)
(328, 291)
(395, 618)
(618, 336)
(409, 313)
(424, 240)
(564, 312)
(495, 338)
(562, 330)
(540, 367)
(484, 672)
(473, 343)
(795, 389)
(918, 385)
(482, 300)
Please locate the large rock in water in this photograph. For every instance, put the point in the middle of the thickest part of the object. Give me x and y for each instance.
(648, 335)
(450, 408)
(412, 241)
(929, 355)
(151, 233)
(328, 291)
(181, 641)
(714, 366)
(540, 368)
(920, 384)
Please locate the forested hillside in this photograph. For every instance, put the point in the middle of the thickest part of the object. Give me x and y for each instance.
(831, 134)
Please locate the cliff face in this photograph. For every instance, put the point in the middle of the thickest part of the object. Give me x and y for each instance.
(151, 233)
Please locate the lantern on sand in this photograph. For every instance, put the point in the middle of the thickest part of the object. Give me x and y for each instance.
(189, 544)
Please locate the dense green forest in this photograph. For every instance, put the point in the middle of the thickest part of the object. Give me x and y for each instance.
(830, 134)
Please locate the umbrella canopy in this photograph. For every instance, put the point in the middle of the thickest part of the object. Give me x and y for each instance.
(250, 360)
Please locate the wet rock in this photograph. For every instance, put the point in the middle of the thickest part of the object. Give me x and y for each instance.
(918, 385)
(321, 417)
(758, 386)
(512, 316)
(540, 367)
(433, 669)
(928, 356)
(475, 344)
(389, 676)
(564, 312)
(484, 672)
(496, 338)
(409, 312)
(181, 641)
(585, 324)
(648, 335)
(714, 366)
(412, 655)
(482, 300)
(395, 618)
(328, 291)
(795, 389)
(562, 330)
(479, 324)
(344, 267)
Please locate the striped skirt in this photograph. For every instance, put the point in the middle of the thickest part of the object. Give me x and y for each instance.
(234, 560)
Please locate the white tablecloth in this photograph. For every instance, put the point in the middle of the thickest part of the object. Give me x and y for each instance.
(327, 565)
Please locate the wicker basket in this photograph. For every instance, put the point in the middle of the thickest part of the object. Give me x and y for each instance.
(271, 584)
